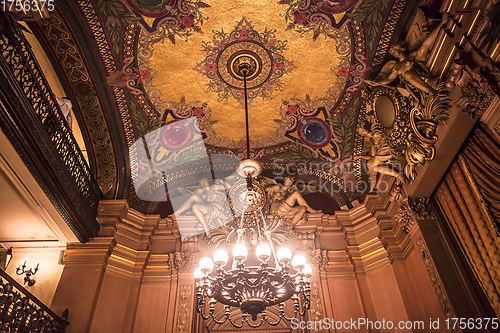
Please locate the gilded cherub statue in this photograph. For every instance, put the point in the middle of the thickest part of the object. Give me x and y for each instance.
(411, 56)
(381, 159)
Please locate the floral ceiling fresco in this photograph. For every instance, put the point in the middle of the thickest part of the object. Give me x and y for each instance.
(172, 59)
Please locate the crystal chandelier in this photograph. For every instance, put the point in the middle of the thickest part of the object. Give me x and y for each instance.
(252, 289)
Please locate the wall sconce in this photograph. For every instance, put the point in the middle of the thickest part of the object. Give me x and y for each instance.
(29, 273)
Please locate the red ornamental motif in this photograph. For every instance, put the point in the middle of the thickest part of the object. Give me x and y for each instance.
(343, 71)
(210, 67)
(187, 21)
(145, 74)
(300, 18)
(292, 109)
(198, 111)
(258, 46)
(244, 34)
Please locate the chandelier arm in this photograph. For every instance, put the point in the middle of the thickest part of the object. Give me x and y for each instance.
(303, 312)
(239, 233)
(304, 301)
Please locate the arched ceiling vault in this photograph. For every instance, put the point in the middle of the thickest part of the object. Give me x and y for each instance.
(165, 60)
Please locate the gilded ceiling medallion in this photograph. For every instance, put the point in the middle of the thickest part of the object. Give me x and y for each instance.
(227, 50)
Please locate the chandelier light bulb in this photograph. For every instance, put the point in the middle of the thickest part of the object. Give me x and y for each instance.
(240, 252)
(284, 254)
(206, 265)
(263, 252)
(298, 262)
(307, 270)
(198, 274)
(220, 258)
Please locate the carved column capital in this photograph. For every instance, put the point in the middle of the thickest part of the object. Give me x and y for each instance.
(183, 262)
(318, 258)
(306, 240)
(477, 95)
(412, 210)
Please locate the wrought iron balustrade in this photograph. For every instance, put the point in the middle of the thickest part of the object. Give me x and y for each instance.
(32, 120)
(32, 81)
(22, 312)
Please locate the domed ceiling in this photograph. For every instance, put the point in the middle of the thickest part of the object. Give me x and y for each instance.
(167, 60)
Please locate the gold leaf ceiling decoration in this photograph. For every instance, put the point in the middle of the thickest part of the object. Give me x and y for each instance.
(292, 67)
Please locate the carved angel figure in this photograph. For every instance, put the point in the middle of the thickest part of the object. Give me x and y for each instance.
(381, 158)
(411, 56)
(283, 201)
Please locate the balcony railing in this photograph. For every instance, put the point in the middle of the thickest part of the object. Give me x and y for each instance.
(21, 312)
(35, 125)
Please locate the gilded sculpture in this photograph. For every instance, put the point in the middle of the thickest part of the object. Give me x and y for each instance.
(415, 106)
(381, 158)
(283, 201)
(411, 56)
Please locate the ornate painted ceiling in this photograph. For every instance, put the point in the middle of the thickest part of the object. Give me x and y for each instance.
(137, 65)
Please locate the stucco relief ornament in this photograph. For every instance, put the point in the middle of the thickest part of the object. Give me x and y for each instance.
(476, 97)
(317, 312)
(184, 315)
(318, 257)
(437, 284)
